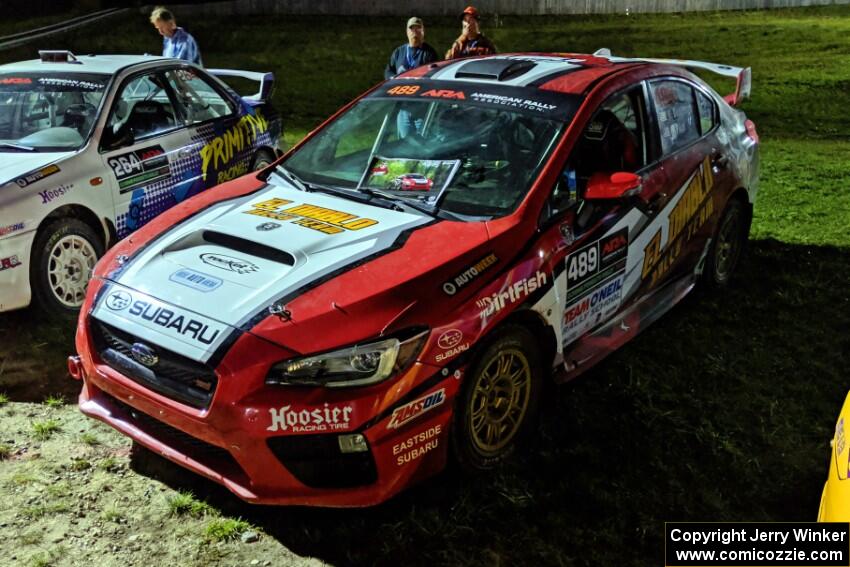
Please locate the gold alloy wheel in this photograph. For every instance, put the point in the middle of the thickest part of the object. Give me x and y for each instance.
(499, 401)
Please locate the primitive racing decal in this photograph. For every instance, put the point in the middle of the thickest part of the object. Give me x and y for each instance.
(139, 167)
(595, 275)
(221, 150)
(327, 221)
(691, 212)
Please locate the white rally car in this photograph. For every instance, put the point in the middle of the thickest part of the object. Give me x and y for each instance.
(93, 147)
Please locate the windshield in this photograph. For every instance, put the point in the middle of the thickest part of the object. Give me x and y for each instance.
(48, 111)
(473, 160)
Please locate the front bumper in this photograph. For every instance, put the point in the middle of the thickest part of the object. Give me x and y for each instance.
(15, 291)
(277, 445)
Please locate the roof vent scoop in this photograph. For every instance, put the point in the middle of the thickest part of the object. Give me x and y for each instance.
(495, 69)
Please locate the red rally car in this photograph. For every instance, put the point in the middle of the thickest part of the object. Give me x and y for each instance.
(303, 338)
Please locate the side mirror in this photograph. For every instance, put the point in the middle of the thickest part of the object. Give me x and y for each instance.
(612, 185)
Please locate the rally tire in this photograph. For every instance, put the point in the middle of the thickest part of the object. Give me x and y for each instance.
(728, 245)
(498, 403)
(63, 258)
(262, 159)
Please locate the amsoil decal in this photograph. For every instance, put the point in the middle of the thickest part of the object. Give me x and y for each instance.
(50, 194)
(515, 292)
(9, 263)
(315, 420)
(595, 275)
(689, 214)
(4, 230)
(37, 175)
(139, 167)
(417, 445)
(221, 150)
(452, 286)
(416, 408)
(327, 221)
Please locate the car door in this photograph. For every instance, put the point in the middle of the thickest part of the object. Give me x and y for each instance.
(144, 140)
(685, 121)
(223, 131)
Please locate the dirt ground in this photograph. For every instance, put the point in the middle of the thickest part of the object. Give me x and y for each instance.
(74, 495)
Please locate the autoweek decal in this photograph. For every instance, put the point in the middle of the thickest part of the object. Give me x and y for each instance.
(36, 176)
(139, 167)
(454, 285)
(327, 221)
(689, 214)
(595, 275)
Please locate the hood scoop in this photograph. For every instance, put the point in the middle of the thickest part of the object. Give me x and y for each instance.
(249, 247)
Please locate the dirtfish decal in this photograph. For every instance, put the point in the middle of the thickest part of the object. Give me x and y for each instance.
(219, 151)
(318, 218)
(688, 215)
(514, 293)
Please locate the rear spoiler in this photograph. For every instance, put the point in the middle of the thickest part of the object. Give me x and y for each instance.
(742, 75)
(266, 81)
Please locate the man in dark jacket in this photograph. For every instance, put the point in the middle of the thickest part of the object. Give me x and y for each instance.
(413, 53)
(471, 41)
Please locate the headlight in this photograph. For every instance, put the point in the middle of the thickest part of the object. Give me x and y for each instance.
(359, 365)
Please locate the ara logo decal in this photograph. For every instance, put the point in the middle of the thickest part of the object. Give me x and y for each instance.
(444, 93)
(229, 263)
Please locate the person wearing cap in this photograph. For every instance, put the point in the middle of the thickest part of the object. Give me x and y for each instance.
(471, 42)
(413, 53)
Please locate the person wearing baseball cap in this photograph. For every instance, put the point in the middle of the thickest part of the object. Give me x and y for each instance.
(412, 54)
(471, 41)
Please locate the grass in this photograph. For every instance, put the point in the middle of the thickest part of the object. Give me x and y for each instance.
(225, 529)
(44, 430)
(723, 410)
(4, 399)
(112, 513)
(185, 504)
(89, 439)
(54, 401)
(109, 464)
(5, 451)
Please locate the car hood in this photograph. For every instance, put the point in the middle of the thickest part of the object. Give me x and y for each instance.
(222, 269)
(17, 165)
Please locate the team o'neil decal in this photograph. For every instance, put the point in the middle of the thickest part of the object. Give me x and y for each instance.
(170, 320)
(460, 281)
(324, 220)
(689, 214)
(139, 167)
(595, 275)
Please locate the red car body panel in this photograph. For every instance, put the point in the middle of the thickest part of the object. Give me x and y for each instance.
(505, 268)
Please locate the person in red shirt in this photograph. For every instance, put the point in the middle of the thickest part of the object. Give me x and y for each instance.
(471, 41)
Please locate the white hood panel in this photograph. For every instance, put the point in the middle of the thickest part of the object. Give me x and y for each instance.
(234, 260)
(15, 165)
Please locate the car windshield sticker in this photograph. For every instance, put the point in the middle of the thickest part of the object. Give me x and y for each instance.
(140, 167)
(76, 84)
(53, 82)
(595, 275)
(691, 212)
(425, 178)
(527, 100)
(327, 221)
(36, 176)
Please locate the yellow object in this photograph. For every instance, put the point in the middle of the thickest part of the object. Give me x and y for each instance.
(835, 500)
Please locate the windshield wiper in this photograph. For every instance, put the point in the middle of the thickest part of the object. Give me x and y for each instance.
(293, 179)
(430, 211)
(17, 147)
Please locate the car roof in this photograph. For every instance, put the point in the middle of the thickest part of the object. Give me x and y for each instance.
(570, 73)
(105, 64)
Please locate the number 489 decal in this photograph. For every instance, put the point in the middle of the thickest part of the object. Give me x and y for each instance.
(581, 263)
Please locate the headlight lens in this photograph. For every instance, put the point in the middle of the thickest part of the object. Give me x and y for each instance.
(359, 365)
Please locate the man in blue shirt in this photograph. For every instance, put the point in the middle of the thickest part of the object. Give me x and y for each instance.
(413, 53)
(176, 42)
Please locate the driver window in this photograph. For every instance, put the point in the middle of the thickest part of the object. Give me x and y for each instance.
(198, 100)
(142, 106)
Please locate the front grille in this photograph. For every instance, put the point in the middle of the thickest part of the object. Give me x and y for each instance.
(173, 375)
(205, 453)
(317, 462)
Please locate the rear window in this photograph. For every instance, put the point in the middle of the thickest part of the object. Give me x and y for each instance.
(676, 112)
